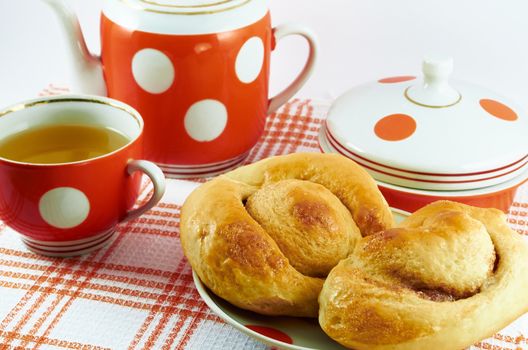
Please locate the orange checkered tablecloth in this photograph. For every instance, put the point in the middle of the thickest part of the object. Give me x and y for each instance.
(138, 292)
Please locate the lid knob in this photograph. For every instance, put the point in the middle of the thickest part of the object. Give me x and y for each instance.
(435, 91)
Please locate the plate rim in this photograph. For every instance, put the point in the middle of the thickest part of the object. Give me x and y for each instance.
(204, 294)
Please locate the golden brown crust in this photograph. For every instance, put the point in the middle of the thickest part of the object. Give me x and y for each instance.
(312, 228)
(349, 182)
(263, 236)
(448, 276)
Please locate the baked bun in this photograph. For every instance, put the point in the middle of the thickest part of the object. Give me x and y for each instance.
(448, 276)
(264, 236)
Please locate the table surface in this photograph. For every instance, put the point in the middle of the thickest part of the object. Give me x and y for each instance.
(138, 293)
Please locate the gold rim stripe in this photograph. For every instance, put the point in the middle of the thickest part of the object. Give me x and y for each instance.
(22, 106)
(151, 2)
(203, 12)
(430, 106)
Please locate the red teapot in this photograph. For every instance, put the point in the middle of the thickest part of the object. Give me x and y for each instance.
(196, 70)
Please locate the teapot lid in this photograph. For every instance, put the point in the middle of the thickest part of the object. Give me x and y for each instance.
(186, 7)
(185, 17)
(430, 133)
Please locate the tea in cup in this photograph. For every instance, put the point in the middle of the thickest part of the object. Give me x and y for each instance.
(66, 143)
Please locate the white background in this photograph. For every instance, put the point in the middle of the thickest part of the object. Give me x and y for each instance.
(359, 41)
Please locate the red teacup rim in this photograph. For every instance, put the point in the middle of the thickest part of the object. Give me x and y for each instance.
(75, 99)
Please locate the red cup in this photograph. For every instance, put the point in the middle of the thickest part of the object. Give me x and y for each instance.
(204, 97)
(73, 208)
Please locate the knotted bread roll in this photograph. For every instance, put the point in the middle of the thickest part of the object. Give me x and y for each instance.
(448, 276)
(264, 236)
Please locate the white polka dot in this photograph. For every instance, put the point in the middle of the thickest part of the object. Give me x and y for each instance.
(64, 207)
(153, 71)
(206, 120)
(250, 60)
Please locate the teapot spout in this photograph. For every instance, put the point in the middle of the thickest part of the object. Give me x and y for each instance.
(88, 71)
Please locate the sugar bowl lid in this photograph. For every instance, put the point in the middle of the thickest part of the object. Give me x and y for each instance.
(429, 133)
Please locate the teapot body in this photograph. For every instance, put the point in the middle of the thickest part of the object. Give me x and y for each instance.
(196, 70)
(201, 89)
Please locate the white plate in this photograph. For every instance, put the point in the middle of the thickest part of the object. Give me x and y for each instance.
(280, 332)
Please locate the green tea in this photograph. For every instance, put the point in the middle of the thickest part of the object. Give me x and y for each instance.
(54, 144)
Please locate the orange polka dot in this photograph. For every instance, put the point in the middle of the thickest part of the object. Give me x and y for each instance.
(395, 127)
(271, 333)
(399, 79)
(499, 110)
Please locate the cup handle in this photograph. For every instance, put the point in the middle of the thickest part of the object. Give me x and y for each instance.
(158, 180)
(280, 32)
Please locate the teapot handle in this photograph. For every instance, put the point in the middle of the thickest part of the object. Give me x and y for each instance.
(280, 32)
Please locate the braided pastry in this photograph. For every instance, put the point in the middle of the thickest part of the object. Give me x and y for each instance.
(264, 236)
(448, 276)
